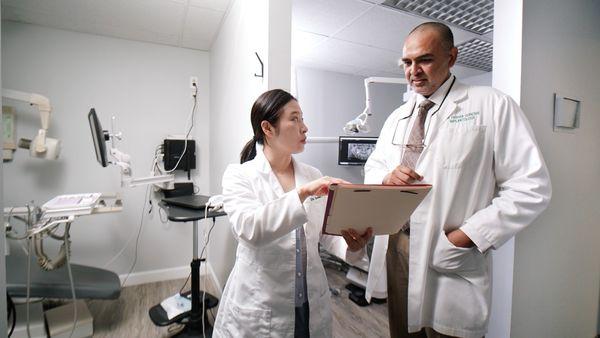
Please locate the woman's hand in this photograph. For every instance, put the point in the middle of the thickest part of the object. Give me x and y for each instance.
(318, 187)
(356, 241)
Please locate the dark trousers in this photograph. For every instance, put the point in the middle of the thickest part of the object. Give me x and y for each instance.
(301, 323)
(397, 288)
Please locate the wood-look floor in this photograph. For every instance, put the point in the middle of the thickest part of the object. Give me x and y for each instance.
(128, 315)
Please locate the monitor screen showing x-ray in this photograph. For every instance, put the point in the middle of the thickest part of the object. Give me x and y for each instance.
(355, 150)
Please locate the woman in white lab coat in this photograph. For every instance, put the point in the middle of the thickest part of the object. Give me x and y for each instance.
(277, 287)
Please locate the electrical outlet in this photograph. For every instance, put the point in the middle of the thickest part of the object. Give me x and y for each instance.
(194, 86)
(193, 82)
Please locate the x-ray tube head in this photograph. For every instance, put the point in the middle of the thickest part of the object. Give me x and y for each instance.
(358, 124)
(99, 136)
(40, 146)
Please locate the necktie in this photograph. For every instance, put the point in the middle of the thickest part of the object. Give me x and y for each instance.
(416, 140)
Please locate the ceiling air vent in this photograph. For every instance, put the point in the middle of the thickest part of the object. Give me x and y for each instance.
(476, 16)
(475, 53)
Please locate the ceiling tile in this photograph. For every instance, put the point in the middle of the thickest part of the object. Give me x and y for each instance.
(368, 72)
(304, 42)
(157, 21)
(329, 66)
(217, 5)
(369, 44)
(380, 27)
(144, 20)
(201, 26)
(348, 53)
(326, 16)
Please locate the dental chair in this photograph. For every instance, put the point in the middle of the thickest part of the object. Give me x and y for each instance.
(89, 283)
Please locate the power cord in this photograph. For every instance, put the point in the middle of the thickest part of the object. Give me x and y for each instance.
(203, 285)
(185, 144)
(201, 254)
(28, 284)
(137, 240)
(214, 203)
(154, 163)
(202, 282)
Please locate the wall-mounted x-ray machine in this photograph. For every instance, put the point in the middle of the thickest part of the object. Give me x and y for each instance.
(40, 146)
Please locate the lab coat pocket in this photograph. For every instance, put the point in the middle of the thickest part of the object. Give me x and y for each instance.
(461, 146)
(242, 321)
(448, 258)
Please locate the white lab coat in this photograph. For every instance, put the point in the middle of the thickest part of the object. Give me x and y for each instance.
(258, 300)
(489, 179)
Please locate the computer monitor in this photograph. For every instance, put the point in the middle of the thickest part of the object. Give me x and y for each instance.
(99, 136)
(355, 150)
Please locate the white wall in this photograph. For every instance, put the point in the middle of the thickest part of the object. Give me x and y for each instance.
(557, 270)
(506, 76)
(233, 89)
(3, 327)
(484, 79)
(147, 87)
(279, 44)
(329, 100)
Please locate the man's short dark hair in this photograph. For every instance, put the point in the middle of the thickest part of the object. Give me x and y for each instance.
(444, 31)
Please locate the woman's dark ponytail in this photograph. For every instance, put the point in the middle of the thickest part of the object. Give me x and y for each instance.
(249, 151)
(268, 107)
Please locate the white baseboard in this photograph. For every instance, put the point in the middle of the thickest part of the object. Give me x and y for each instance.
(179, 272)
(153, 276)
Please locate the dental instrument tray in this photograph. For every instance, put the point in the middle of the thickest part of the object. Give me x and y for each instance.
(81, 204)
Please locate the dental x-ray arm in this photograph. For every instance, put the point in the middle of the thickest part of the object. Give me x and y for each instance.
(39, 147)
(359, 123)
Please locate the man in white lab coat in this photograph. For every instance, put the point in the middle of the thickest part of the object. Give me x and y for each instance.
(477, 149)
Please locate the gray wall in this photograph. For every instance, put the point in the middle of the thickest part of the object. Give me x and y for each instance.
(147, 87)
(329, 100)
(557, 269)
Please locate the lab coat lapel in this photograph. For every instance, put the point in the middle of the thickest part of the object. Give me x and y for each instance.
(407, 109)
(404, 112)
(459, 93)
